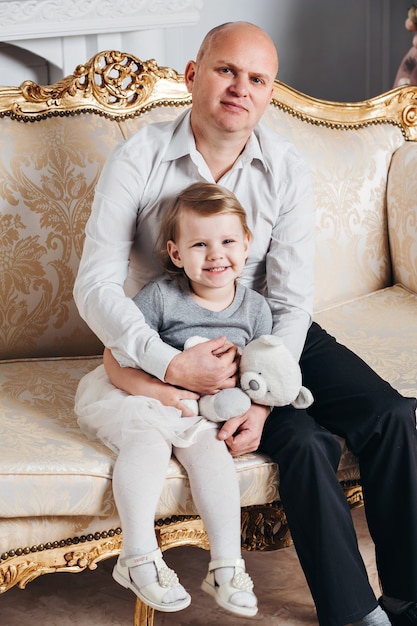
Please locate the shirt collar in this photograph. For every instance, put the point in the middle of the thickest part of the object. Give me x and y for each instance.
(182, 144)
(252, 151)
(182, 141)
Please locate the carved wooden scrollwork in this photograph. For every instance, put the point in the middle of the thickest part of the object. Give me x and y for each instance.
(265, 528)
(397, 107)
(24, 566)
(13, 574)
(353, 493)
(112, 83)
(410, 115)
(112, 78)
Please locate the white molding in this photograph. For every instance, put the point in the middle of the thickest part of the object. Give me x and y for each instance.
(38, 19)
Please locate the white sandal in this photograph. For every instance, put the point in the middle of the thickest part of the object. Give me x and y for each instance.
(241, 581)
(151, 594)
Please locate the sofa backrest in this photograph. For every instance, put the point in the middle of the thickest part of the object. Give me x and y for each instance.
(54, 141)
(402, 215)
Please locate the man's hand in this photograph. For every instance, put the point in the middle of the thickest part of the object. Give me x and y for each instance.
(206, 368)
(243, 434)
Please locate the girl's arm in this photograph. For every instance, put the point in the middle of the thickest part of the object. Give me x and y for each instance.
(139, 383)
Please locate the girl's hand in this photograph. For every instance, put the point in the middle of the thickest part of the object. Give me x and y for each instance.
(169, 395)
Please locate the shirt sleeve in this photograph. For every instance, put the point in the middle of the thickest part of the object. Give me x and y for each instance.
(103, 270)
(290, 260)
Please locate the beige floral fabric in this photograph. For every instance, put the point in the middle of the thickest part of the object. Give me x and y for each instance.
(381, 328)
(349, 170)
(402, 215)
(48, 171)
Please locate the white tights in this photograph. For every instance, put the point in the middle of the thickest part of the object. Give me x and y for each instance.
(138, 479)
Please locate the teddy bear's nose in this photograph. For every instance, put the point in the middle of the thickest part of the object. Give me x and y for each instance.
(254, 385)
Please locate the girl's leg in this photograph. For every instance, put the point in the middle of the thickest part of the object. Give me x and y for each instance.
(138, 478)
(215, 490)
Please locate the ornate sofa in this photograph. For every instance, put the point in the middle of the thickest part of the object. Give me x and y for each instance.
(56, 506)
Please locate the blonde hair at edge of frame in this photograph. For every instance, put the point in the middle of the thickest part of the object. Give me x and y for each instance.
(206, 200)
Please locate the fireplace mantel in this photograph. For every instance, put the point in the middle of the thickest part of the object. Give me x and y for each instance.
(54, 28)
(36, 19)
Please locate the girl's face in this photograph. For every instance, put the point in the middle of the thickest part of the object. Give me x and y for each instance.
(212, 250)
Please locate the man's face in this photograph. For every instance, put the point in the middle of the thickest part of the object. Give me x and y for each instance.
(232, 84)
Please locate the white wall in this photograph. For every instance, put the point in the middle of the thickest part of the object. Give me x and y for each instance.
(330, 49)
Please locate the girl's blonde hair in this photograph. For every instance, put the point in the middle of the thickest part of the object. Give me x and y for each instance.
(205, 199)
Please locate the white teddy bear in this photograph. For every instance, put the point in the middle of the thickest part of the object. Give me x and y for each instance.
(269, 375)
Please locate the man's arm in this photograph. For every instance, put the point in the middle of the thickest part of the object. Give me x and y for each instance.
(99, 286)
(290, 262)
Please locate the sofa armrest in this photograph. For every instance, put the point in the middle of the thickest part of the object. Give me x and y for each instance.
(402, 215)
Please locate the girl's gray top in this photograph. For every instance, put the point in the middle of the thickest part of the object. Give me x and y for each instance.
(174, 314)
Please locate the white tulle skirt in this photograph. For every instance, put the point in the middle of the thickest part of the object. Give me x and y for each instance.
(110, 415)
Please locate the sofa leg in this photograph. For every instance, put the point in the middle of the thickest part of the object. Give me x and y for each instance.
(144, 614)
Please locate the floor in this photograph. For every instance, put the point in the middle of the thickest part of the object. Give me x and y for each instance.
(94, 599)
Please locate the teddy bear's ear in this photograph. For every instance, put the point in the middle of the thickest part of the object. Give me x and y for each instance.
(304, 399)
(194, 340)
(269, 340)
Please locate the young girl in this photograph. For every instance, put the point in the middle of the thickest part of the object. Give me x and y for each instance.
(143, 419)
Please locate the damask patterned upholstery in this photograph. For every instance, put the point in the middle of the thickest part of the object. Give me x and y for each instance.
(402, 216)
(55, 485)
(48, 172)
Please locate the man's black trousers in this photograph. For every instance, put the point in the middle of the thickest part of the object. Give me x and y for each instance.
(379, 426)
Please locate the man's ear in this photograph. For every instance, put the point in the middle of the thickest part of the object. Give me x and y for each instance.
(246, 245)
(174, 254)
(189, 75)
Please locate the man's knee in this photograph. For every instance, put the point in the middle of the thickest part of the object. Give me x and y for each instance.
(401, 415)
(301, 442)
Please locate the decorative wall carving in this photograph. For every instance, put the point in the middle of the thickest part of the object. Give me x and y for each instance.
(35, 19)
(64, 32)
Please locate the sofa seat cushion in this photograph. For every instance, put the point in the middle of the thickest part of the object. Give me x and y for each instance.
(53, 479)
(49, 468)
(382, 329)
